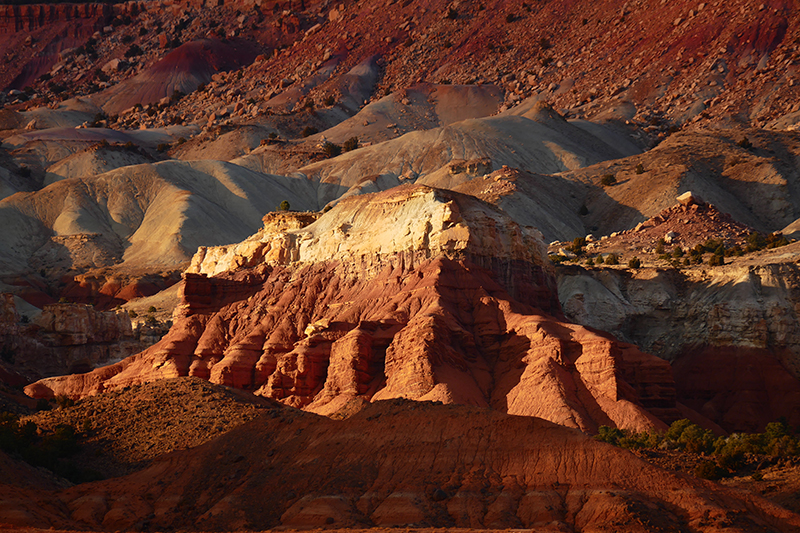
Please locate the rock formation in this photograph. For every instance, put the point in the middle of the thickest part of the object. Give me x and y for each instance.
(417, 293)
(740, 317)
(63, 338)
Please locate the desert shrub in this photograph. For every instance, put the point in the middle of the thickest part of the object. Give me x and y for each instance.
(612, 259)
(284, 206)
(745, 143)
(152, 309)
(775, 240)
(56, 88)
(133, 51)
(677, 252)
(126, 39)
(660, 246)
(511, 18)
(24, 171)
(162, 147)
(451, 14)
(132, 313)
(608, 180)
(329, 101)
(716, 260)
(583, 210)
(64, 401)
(609, 434)
(577, 245)
(272, 135)
(350, 144)
(544, 43)
(545, 61)
(308, 131)
(634, 263)
(640, 168)
(331, 149)
(708, 470)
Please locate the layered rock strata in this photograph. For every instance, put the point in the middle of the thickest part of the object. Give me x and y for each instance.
(417, 293)
(731, 332)
(63, 338)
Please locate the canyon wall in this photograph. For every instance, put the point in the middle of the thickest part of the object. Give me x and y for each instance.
(731, 332)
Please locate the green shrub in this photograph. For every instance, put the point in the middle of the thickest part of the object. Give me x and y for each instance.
(609, 434)
(331, 149)
(152, 309)
(133, 51)
(350, 144)
(284, 206)
(612, 259)
(608, 180)
(708, 470)
(634, 262)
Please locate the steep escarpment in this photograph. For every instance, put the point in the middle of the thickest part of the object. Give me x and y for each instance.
(740, 317)
(62, 338)
(416, 293)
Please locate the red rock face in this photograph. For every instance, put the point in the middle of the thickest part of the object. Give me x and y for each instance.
(754, 390)
(63, 338)
(442, 330)
(413, 293)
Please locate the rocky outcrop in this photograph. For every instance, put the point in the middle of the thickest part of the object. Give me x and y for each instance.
(416, 293)
(731, 332)
(34, 16)
(63, 338)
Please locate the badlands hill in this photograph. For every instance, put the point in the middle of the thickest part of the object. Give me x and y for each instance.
(292, 469)
(428, 152)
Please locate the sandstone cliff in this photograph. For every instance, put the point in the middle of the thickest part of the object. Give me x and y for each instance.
(741, 317)
(63, 338)
(417, 293)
